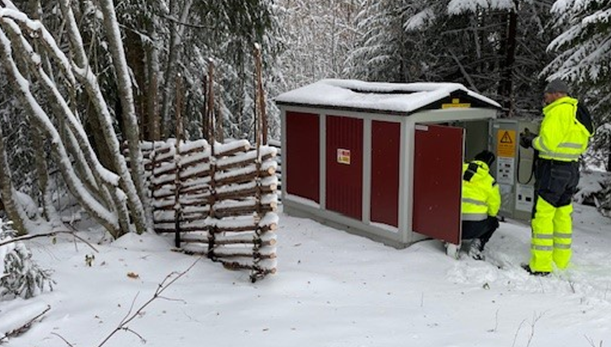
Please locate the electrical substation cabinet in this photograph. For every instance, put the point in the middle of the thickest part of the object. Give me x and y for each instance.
(514, 170)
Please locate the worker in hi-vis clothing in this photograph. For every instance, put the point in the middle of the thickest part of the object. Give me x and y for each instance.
(561, 141)
(481, 201)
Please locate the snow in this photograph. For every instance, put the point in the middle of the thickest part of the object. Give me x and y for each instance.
(396, 97)
(560, 6)
(590, 183)
(331, 289)
(4, 250)
(28, 204)
(24, 311)
(419, 20)
(456, 7)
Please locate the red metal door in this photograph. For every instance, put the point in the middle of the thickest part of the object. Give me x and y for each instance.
(385, 159)
(302, 158)
(438, 158)
(344, 166)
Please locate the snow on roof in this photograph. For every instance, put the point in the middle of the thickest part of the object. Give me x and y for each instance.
(393, 97)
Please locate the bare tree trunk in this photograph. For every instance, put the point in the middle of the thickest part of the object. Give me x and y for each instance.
(129, 114)
(14, 211)
(42, 171)
(96, 178)
(135, 55)
(176, 34)
(39, 117)
(153, 87)
(509, 45)
(85, 75)
(92, 124)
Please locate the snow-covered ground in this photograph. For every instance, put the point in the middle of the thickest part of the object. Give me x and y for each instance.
(332, 289)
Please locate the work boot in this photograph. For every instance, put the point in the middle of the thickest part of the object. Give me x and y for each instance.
(475, 250)
(535, 273)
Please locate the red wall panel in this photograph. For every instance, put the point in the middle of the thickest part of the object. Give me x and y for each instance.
(437, 182)
(302, 155)
(385, 147)
(344, 174)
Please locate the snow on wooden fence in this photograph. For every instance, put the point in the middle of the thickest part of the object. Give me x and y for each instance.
(278, 158)
(218, 201)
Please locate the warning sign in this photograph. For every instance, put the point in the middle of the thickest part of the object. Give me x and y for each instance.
(343, 156)
(456, 104)
(506, 143)
(505, 170)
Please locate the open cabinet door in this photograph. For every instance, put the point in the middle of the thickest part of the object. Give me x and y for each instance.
(438, 159)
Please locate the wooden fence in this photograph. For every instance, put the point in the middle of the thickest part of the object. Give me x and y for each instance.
(220, 202)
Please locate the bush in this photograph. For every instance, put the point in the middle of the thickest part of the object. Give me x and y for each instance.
(20, 276)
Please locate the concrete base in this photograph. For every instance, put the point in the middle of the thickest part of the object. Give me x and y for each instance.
(335, 220)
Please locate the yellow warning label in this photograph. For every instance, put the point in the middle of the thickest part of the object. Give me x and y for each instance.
(456, 103)
(506, 143)
(463, 105)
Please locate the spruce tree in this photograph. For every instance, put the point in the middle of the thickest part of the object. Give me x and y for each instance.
(20, 275)
(584, 58)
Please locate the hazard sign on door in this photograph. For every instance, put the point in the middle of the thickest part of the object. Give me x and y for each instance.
(506, 143)
(343, 156)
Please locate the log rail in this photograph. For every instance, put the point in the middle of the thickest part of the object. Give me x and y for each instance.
(227, 201)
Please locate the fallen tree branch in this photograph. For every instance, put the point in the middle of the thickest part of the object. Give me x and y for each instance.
(49, 234)
(167, 281)
(61, 337)
(25, 327)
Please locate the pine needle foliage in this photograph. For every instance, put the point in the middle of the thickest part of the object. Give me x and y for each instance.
(21, 276)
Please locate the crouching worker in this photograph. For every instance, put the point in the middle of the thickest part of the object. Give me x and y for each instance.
(481, 201)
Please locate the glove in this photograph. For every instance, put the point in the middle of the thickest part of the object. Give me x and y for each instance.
(495, 223)
(526, 138)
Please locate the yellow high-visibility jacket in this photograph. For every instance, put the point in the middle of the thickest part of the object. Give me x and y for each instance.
(561, 137)
(481, 196)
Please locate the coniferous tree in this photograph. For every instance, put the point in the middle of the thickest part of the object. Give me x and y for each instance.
(316, 37)
(495, 48)
(584, 58)
(20, 276)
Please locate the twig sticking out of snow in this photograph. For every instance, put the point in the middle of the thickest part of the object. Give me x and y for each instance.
(25, 327)
(49, 234)
(170, 279)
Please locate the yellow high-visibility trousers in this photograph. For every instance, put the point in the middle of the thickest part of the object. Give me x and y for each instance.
(551, 236)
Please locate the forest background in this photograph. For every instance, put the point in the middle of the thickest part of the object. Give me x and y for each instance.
(131, 66)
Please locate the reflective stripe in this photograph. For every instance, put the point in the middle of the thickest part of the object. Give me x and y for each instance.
(546, 152)
(543, 236)
(543, 146)
(570, 145)
(474, 202)
(557, 155)
(542, 248)
(474, 217)
(563, 235)
(563, 246)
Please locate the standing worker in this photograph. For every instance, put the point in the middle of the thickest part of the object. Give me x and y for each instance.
(481, 201)
(561, 141)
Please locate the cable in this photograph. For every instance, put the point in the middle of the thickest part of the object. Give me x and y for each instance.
(532, 169)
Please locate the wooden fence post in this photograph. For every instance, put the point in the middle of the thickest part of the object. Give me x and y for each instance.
(260, 114)
(210, 106)
(177, 158)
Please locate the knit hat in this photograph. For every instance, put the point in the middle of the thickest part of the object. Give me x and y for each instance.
(486, 156)
(556, 86)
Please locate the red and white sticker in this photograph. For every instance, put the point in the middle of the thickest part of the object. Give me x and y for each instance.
(343, 156)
